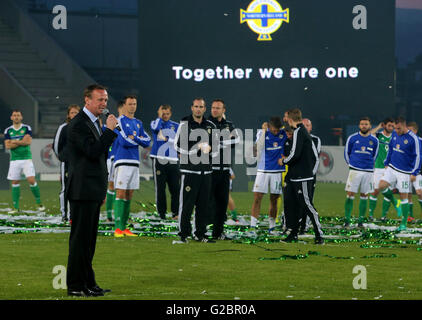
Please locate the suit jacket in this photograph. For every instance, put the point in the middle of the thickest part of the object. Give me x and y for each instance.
(87, 156)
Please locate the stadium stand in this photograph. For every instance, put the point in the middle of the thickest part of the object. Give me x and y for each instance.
(40, 67)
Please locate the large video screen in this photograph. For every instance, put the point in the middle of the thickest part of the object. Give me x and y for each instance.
(333, 59)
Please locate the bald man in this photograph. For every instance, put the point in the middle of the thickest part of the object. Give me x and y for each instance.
(317, 143)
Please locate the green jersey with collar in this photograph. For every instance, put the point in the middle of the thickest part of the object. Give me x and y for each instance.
(383, 149)
(21, 152)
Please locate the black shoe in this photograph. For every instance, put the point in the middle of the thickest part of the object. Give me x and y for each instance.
(84, 293)
(286, 232)
(109, 220)
(290, 238)
(162, 216)
(319, 241)
(98, 289)
(360, 225)
(301, 231)
(346, 225)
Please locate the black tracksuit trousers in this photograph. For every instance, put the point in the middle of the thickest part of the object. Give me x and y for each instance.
(194, 192)
(297, 203)
(166, 174)
(219, 198)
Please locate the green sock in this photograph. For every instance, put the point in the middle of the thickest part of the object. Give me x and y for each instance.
(234, 214)
(385, 206)
(390, 196)
(405, 212)
(363, 204)
(118, 213)
(126, 211)
(372, 205)
(111, 195)
(348, 207)
(36, 192)
(16, 193)
(411, 209)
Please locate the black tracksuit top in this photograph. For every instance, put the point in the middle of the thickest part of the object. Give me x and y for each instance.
(303, 157)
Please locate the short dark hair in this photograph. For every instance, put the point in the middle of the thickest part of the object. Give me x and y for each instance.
(92, 87)
(365, 118)
(295, 114)
(275, 122)
(17, 110)
(199, 98)
(387, 120)
(400, 120)
(129, 96)
(219, 100)
(120, 104)
(165, 107)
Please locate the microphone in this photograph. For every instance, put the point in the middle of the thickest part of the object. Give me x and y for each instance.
(106, 113)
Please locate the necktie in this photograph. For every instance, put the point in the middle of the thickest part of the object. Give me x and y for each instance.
(97, 125)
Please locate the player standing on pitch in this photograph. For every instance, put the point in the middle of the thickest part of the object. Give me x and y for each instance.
(360, 153)
(403, 164)
(18, 138)
(126, 164)
(384, 138)
(269, 146)
(417, 184)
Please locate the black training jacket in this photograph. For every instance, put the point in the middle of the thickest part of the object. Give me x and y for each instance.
(186, 143)
(303, 158)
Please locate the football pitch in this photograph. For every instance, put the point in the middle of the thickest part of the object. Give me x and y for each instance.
(355, 264)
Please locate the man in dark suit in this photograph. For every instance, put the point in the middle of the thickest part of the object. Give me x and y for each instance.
(86, 188)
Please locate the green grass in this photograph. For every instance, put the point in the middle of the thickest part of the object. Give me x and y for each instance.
(154, 268)
(329, 199)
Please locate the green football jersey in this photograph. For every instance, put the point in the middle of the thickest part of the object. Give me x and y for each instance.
(382, 150)
(21, 152)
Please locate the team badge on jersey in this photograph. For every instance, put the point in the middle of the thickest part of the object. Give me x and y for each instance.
(264, 17)
(363, 148)
(275, 144)
(187, 188)
(406, 141)
(397, 146)
(371, 143)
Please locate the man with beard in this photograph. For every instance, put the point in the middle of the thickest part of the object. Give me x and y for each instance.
(384, 138)
(360, 153)
(403, 164)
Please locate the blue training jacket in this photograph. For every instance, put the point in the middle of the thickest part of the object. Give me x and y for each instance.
(272, 151)
(404, 153)
(360, 152)
(161, 148)
(127, 152)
